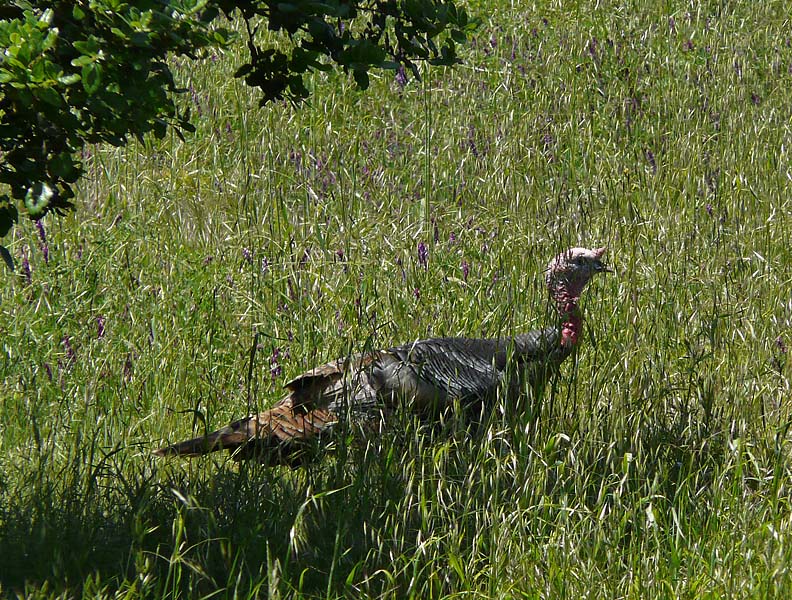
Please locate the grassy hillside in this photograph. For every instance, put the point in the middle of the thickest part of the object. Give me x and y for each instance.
(197, 277)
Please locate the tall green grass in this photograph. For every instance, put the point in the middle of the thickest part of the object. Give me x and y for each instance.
(196, 277)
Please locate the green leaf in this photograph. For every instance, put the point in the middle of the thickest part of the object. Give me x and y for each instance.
(361, 78)
(92, 77)
(297, 86)
(458, 36)
(83, 60)
(62, 166)
(38, 198)
(9, 261)
(50, 96)
(8, 215)
(69, 79)
(243, 70)
(50, 40)
(23, 55)
(89, 46)
(46, 18)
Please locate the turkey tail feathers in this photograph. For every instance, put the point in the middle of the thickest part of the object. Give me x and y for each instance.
(218, 440)
(276, 436)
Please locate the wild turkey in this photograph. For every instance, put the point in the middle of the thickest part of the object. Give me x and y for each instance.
(424, 377)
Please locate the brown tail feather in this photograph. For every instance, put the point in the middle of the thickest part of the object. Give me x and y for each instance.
(276, 436)
(218, 440)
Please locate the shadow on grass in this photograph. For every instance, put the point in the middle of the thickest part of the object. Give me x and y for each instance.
(181, 528)
(363, 520)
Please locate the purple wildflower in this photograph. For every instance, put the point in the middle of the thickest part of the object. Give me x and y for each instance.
(781, 345)
(672, 24)
(328, 180)
(399, 264)
(128, 366)
(651, 158)
(296, 157)
(340, 254)
(196, 100)
(708, 208)
(755, 99)
(71, 355)
(548, 142)
(592, 47)
(401, 77)
(264, 265)
(100, 326)
(472, 141)
(275, 368)
(465, 270)
(43, 238)
(452, 238)
(208, 259)
(247, 255)
(48, 369)
(417, 293)
(423, 255)
(26, 268)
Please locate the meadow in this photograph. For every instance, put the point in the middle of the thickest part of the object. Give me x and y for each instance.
(196, 277)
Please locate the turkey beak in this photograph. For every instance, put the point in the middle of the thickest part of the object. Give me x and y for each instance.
(601, 267)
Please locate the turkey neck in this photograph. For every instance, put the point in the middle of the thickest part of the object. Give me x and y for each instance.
(566, 296)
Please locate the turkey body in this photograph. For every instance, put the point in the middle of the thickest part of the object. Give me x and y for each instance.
(426, 378)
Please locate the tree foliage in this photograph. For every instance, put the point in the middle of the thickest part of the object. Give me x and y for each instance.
(74, 73)
(86, 71)
(356, 35)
